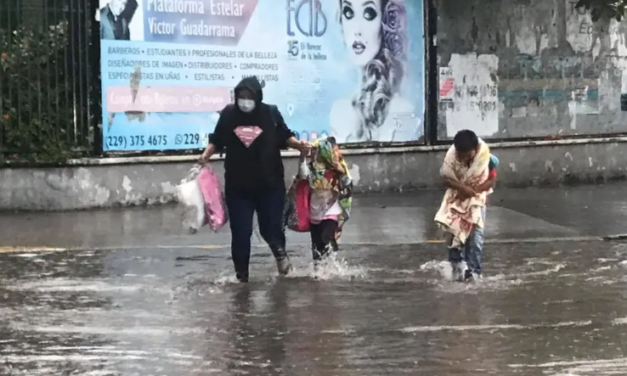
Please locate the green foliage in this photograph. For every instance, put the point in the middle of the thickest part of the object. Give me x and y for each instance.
(606, 9)
(36, 96)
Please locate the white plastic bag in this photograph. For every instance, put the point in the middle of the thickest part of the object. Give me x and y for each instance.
(190, 196)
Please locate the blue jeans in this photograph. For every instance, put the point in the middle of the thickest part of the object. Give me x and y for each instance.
(473, 249)
(269, 208)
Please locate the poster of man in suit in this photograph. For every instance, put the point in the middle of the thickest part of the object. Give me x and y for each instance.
(114, 20)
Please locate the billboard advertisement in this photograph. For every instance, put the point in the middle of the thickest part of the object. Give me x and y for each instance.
(349, 68)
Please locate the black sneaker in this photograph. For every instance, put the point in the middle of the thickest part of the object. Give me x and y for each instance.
(471, 277)
(334, 245)
(242, 277)
(468, 276)
(284, 265)
(327, 251)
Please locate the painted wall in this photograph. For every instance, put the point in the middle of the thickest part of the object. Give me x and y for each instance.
(529, 68)
(100, 183)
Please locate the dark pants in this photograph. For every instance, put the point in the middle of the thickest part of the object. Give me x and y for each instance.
(269, 208)
(323, 238)
(472, 252)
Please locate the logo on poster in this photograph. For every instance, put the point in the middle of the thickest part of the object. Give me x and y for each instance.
(307, 16)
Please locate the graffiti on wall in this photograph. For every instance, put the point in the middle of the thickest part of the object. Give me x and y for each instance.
(447, 85)
(473, 101)
(557, 72)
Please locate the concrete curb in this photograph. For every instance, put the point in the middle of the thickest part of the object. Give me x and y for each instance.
(573, 239)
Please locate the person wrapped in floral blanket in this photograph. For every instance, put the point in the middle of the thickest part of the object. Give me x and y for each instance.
(331, 195)
(469, 171)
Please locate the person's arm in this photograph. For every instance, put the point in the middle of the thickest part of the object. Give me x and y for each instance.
(450, 182)
(127, 31)
(454, 184)
(206, 155)
(463, 190)
(339, 167)
(488, 184)
(293, 143)
(286, 136)
(217, 140)
(106, 29)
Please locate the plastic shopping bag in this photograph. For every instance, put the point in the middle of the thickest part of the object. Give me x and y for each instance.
(216, 214)
(296, 211)
(190, 197)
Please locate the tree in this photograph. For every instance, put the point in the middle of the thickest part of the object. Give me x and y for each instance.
(36, 106)
(604, 8)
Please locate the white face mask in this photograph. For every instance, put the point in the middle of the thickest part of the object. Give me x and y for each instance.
(246, 105)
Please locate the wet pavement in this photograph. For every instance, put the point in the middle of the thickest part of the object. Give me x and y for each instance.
(138, 296)
(377, 219)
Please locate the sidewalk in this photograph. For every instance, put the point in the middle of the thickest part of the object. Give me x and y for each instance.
(379, 218)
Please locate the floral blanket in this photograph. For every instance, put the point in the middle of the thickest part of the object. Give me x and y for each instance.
(323, 177)
(458, 217)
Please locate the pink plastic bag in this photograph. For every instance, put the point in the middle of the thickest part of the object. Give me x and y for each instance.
(297, 210)
(303, 194)
(215, 207)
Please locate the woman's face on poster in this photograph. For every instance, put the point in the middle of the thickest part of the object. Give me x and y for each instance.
(361, 25)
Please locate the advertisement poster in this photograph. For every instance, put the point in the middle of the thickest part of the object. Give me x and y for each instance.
(447, 85)
(353, 69)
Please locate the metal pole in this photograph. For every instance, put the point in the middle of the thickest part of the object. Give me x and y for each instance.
(95, 84)
(431, 72)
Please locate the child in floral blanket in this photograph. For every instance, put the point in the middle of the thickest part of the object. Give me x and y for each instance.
(331, 195)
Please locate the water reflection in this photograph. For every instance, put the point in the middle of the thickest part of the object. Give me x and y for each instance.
(256, 330)
(541, 308)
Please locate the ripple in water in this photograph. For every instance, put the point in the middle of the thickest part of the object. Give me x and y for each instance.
(446, 284)
(332, 267)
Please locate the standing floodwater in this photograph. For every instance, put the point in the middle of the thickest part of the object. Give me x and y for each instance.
(544, 309)
(141, 307)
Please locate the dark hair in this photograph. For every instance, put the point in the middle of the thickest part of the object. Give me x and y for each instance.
(465, 141)
(332, 140)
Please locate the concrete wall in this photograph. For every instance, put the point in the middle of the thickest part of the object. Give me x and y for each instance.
(521, 68)
(152, 180)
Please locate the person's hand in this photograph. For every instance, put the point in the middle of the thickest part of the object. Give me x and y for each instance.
(466, 192)
(202, 160)
(304, 147)
(339, 167)
(337, 154)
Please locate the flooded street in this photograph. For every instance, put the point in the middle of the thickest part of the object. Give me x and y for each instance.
(554, 309)
(545, 307)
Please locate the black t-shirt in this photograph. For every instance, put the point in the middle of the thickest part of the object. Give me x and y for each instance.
(253, 144)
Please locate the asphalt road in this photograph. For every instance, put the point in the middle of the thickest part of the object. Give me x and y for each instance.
(128, 292)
